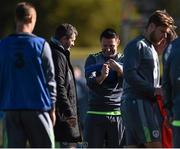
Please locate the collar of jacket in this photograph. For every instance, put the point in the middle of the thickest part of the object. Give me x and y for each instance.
(60, 47)
(57, 43)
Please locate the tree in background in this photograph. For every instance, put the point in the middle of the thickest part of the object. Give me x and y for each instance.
(89, 16)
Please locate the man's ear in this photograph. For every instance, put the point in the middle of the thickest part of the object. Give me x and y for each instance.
(29, 19)
(118, 40)
(63, 39)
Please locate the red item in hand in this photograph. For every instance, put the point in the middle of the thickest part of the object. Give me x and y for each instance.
(166, 130)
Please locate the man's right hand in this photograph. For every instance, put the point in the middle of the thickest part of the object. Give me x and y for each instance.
(104, 74)
(158, 91)
(71, 121)
(53, 116)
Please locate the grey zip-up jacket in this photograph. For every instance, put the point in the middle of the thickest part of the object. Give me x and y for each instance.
(141, 70)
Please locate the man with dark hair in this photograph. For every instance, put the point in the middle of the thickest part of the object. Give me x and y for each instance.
(103, 72)
(141, 83)
(27, 88)
(67, 128)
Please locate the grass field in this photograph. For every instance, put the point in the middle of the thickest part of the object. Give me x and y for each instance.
(82, 53)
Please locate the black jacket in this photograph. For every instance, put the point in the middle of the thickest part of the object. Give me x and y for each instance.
(66, 105)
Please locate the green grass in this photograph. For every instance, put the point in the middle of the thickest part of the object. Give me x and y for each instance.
(83, 52)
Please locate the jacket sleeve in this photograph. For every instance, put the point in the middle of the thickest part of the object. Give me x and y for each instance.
(63, 102)
(131, 62)
(166, 82)
(48, 67)
(91, 72)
